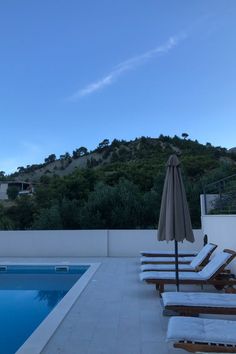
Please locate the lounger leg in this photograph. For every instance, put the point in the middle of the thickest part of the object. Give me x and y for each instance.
(161, 289)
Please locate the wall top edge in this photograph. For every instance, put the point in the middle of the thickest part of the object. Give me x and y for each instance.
(220, 216)
(94, 230)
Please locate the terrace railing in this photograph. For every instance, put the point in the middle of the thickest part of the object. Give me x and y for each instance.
(220, 196)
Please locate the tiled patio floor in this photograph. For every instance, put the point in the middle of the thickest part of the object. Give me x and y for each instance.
(115, 314)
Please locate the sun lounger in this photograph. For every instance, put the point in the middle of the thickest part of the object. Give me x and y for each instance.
(202, 335)
(199, 260)
(166, 254)
(188, 304)
(169, 253)
(165, 260)
(210, 274)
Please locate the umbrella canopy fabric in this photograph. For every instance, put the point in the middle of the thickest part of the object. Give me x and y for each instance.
(174, 220)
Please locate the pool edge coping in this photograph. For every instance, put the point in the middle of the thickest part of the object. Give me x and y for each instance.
(37, 341)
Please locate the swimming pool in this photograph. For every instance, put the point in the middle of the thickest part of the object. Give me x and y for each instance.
(28, 293)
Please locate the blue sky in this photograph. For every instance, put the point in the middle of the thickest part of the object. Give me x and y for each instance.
(75, 72)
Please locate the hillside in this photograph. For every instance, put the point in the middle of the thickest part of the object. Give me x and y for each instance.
(118, 185)
(139, 151)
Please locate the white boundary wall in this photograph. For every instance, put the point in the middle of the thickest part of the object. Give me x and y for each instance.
(131, 242)
(87, 243)
(221, 230)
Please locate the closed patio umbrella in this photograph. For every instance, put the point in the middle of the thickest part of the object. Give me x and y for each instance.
(174, 220)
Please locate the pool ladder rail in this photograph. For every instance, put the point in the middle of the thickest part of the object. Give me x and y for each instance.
(3, 268)
(62, 269)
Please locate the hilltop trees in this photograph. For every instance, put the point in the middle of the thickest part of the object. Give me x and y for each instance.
(105, 143)
(21, 169)
(50, 158)
(2, 175)
(80, 152)
(184, 135)
(65, 156)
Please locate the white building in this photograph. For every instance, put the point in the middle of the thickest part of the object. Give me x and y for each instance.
(24, 188)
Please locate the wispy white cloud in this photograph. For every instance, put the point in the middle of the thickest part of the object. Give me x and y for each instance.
(128, 65)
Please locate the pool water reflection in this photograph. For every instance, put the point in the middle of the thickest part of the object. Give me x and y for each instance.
(26, 298)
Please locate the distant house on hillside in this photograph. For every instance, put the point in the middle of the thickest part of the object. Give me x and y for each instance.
(24, 188)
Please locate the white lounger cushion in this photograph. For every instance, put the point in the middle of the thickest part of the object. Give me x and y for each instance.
(201, 330)
(165, 259)
(169, 275)
(161, 267)
(197, 260)
(170, 253)
(204, 274)
(215, 264)
(202, 255)
(199, 299)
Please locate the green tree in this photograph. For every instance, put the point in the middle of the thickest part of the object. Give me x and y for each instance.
(70, 214)
(103, 144)
(22, 212)
(48, 219)
(115, 143)
(184, 135)
(80, 152)
(5, 222)
(2, 175)
(67, 156)
(50, 158)
(113, 207)
(21, 169)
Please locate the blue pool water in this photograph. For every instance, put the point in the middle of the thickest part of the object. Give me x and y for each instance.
(27, 295)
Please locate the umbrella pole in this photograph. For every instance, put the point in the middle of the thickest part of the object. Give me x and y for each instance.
(176, 265)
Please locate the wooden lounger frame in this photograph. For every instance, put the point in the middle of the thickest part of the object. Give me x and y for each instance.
(195, 347)
(217, 279)
(206, 260)
(195, 310)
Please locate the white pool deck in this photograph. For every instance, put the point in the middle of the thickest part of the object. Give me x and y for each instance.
(115, 314)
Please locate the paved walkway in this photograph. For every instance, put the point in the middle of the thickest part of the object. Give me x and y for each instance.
(115, 314)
